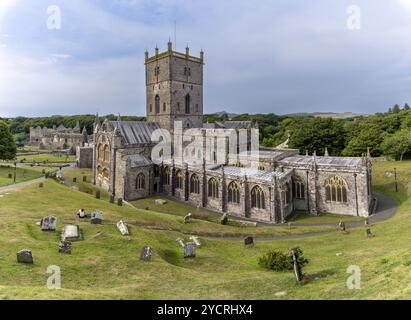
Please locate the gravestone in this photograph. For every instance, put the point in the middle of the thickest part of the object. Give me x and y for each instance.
(75, 188)
(368, 232)
(248, 241)
(195, 240)
(146, 253)
(341, 225)
(181, 242)
(190, 250)
(297, 267)
(120, 202)
(74, 180)
(25, 256)
(111, 199)
(71, 233)
(224, 219)
(65, 247)
(48, 223)
(10, 176)
(122, 226)
(41, 185)
(366, 222)
(84, 178)
(98, 194)
(161, 201)
(187, 218)
(43, 171)
(96, 217)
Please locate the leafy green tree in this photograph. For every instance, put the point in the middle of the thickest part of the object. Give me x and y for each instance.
(397, 144)
(370, 137)
(316, 134)
(7, 145)
(406, 106)
(396, 109)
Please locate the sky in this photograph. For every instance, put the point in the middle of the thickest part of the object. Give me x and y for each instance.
(283, 56)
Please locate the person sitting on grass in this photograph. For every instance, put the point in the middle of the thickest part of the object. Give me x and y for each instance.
(81, 214)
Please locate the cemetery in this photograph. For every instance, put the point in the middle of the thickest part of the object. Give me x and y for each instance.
(137, 253)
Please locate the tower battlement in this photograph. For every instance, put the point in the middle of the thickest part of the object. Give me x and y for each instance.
(172, 53)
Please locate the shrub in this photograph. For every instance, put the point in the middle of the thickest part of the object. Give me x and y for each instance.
(279, 261)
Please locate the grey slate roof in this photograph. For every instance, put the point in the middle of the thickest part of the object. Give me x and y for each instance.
(137, 160)
(326, 161)
(254, 174)
(135, 132)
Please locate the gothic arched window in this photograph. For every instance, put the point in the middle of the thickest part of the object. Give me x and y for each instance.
(287, 194)
(213, 188)
(179, 180)
(100, 152)
(233, 193)
(157, 104)
(188, 103)
(195, 184)
(140, 181)
(257, 198)
(106, 157)
(336, 189)
(167, 176)
(299, 189)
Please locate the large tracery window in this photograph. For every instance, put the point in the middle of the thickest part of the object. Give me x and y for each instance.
(299, 189)
(140, 182)
(257, 198)
(336, 189)
(194, 184)
(233, 193)
(213, 188)
(179, 179)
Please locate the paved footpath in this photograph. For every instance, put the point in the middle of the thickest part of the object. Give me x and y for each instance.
(22, 184)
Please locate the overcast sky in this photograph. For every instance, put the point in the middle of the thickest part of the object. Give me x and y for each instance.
(263, 56)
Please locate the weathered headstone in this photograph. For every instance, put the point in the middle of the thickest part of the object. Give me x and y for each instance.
(341, 225)
(161, 201)
(187, 218)
(84, 178)
(10, 176)
(43, 171)
(181, 242)
(297, 268)
(41, 185)
(25, 256)
(224, 219)
(369, 233)
(96, 217)
(195, 240)
(120, 202)
(48, 223)
(71, 233)
(65, 247)
(248, 241)
(111, 198)
(190, 250)
(122, 226)
(146, 253)
(98, 194)
(74, 180)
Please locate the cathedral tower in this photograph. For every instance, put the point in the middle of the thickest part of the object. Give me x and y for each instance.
(174, 88)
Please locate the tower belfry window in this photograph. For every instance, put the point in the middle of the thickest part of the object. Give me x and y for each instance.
(188, 102)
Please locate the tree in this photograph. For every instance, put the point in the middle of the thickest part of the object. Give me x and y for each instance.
(397, 144)
(406, 106)
(316, 134)
(370, 137)
(7, 145)
(396, 109)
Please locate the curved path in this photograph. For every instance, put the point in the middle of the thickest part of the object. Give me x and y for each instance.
(387, 208)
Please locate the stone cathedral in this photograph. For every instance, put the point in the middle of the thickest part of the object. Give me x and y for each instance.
(282, 183)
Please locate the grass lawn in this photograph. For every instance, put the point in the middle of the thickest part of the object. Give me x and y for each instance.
(305, 218)
(22, 174)
(106, 265)
(46, 157)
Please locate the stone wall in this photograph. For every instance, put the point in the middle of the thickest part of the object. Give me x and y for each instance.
(84, 157)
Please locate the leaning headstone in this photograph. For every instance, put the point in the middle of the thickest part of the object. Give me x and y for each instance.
(224, 219)
(96, 217)
(65, 247)
(98, 194)
(111, 198)
(48, 223)
(71, 233)
(161, 201)
(368, 232)
(187, 218)
(41, 185)
(181, 242)
(248, 241)
(10, 176)
(195, 240)
(122, 226)
(190, 250)
(74, 180)
(84, 178)
(297, 268)
(146, 253)
(25, 256)
(341, 225)
(120, 202)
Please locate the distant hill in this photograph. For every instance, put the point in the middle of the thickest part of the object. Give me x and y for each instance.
(335, 115)
(221, 113)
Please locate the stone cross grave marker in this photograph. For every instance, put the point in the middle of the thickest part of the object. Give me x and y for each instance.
(369, 233)
(48, 223)
(190, 250)
(195, 240)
